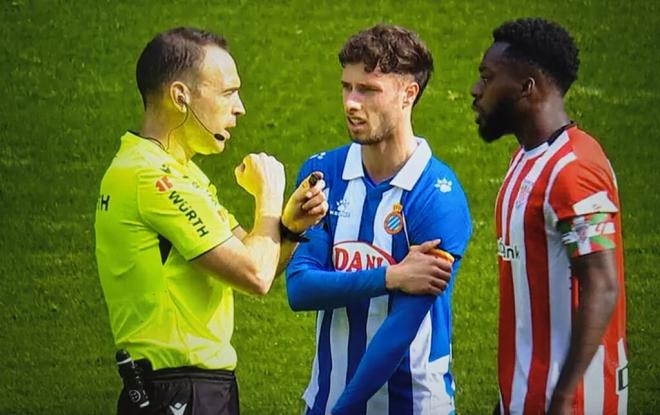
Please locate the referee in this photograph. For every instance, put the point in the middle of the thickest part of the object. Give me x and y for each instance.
(169, 254)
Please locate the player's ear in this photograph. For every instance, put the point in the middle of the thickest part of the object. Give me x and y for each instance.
(410, 94)
(178, 94)
(527, 87)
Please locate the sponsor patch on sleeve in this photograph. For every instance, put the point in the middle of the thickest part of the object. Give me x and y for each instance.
(588, 233)
(164, 184)
(597, 202)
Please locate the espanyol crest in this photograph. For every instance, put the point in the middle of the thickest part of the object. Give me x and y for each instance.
(393, 222)
(352, 256)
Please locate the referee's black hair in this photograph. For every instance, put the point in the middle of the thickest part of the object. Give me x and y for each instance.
(171, 54)
(543, 44)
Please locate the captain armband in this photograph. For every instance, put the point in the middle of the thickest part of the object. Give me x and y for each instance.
(588, 233)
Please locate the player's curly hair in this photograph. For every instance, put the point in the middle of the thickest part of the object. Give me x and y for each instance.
(171, 54)
(392, 49)
(543, 44)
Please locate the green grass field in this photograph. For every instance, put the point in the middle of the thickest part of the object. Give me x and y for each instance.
(69, 93)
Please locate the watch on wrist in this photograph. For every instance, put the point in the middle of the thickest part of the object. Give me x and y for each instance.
(289, 235)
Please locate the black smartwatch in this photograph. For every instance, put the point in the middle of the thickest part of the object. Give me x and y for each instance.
(289, 235)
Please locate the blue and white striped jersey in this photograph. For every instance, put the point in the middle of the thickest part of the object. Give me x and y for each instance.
(378, 352)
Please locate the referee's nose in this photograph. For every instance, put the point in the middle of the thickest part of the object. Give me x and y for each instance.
(239, 108)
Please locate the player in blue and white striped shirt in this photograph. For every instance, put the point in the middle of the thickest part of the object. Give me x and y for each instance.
(384, 323)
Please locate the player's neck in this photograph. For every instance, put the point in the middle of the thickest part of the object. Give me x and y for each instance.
(160, 127)
(541, 124)
(385, 159)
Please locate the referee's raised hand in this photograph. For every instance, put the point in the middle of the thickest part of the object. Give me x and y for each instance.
(307, 204)
(263, 177)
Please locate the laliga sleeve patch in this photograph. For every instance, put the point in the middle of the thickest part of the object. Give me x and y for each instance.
(164, 184)
(588, 233)
(597, 202)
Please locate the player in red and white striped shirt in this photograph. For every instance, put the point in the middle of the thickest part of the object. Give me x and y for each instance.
(562, 341)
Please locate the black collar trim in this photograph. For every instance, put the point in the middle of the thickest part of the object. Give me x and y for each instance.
(559, 132)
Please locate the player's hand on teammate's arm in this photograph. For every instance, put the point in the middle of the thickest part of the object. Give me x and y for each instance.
(263, 177)
(307, 204)
(421, 272)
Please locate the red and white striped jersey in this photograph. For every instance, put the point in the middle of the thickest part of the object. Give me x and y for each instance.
(567, 177)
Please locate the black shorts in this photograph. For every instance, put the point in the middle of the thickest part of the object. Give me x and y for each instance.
(184, 391)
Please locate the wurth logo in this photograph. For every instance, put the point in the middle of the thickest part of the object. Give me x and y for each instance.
(189, 212)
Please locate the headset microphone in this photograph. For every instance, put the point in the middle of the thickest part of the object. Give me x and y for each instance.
(217, 136)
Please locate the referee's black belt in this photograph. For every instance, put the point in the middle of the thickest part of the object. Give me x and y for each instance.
(183, 372)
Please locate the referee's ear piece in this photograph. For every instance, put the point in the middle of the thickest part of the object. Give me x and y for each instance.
(178, 92)
(182, 101)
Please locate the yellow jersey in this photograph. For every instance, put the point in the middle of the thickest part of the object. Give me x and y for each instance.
(154, 215)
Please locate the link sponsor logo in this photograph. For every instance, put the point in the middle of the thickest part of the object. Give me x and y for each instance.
(507, 252)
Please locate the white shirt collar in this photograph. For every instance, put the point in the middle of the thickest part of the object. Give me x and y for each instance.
(353, 164)
(406, 178)
(535, 151)
(543, 147)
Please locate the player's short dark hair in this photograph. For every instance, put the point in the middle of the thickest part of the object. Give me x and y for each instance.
(543, 44)
(171, 54)
(392, 49)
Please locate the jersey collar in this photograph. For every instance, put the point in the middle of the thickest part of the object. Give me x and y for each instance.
(550, 141)
(406, 178)
(132, 138)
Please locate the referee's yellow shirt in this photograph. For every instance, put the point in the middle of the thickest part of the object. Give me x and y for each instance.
(153, 216)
